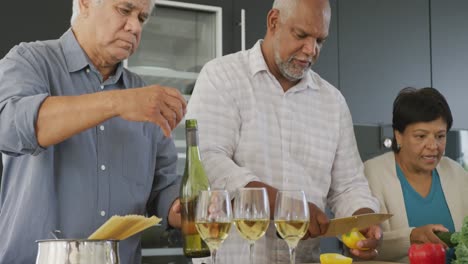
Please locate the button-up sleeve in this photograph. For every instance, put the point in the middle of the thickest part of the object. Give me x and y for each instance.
(219, 124)
(22, 91)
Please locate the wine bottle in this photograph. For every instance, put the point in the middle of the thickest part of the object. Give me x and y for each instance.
(194, 181)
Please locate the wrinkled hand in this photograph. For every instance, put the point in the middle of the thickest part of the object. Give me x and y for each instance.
(163, 106)
(318, 222)
(174, 218)
(425, 234)
(374, 237)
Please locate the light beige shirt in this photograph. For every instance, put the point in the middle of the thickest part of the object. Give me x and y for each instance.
(251, 130)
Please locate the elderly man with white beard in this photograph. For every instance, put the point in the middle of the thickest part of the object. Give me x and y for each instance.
(267, 120)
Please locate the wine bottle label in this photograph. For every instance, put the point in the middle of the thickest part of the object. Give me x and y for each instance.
(192, 137)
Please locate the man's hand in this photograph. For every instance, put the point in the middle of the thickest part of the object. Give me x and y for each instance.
(163, 106)
(318, 222)
(425, 234)
(174, 218)
(373, 236)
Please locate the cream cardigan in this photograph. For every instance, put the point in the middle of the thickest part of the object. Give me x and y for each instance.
(384, 184)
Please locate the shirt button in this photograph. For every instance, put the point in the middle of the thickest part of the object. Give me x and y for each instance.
(102, 128)
(87, 70)
(103, 167)
(102, 87)
(103, 213)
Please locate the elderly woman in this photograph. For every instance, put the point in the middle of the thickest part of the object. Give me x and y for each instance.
(416, 182)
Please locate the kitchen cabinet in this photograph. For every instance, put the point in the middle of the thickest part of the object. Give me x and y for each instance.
(449, 35)
(178, 40)
(227, 19)
(255, 21)
(383, 46)
(162, 246)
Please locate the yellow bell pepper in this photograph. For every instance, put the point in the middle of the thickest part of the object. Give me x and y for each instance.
(351, 239)
(334, 258)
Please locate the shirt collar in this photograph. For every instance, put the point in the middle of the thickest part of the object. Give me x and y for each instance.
(256, 60)
(76, 57)
(257, 64)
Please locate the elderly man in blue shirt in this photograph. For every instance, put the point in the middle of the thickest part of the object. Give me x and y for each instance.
(82, 137)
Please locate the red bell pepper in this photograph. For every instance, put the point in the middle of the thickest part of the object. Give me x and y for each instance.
(426, 254)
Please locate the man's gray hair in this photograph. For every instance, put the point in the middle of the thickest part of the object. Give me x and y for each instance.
(286, 8)
(76, 8)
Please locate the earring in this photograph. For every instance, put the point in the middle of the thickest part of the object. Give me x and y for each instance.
(398, 146)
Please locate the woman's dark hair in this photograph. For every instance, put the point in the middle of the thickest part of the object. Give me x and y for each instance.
(418, 105)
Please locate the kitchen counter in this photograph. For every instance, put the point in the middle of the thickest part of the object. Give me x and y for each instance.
(368, 262)
(377, 262)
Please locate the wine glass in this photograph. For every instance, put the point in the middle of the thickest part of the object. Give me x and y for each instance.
(251, 215)
(291, 218)
(213, 218)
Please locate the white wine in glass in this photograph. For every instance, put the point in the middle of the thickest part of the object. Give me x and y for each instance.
(251, 215)
(252, 230)
(213, 233)
(291, 218)
(292, 231)
(213, 218)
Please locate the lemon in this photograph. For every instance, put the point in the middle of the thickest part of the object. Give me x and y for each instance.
(334, 258)
(351, 239)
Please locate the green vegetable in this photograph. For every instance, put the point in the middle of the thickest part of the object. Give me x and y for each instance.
(445, 237)
(461, 250)
(455, 237)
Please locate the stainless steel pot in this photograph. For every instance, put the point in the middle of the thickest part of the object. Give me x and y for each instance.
(77, 251)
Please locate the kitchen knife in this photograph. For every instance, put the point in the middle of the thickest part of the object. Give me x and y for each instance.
(339, 226)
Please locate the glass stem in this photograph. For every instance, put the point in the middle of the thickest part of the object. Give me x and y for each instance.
(292, 255)
(213, 256)
(251, 251)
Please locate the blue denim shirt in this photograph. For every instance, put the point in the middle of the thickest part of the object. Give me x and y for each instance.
(116, 168)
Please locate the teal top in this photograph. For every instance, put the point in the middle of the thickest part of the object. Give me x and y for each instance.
(432, 209)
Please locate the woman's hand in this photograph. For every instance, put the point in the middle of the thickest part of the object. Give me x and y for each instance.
(425, 234)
